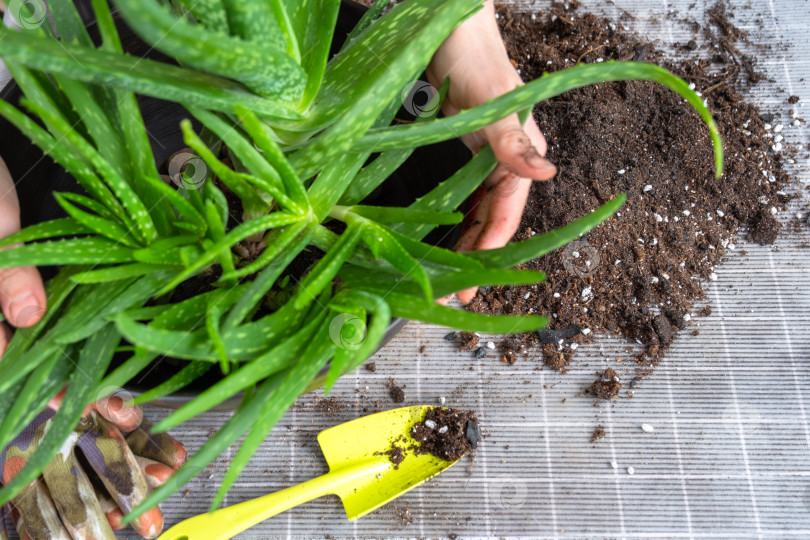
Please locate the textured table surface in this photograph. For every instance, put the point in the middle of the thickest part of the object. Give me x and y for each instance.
(730, 453)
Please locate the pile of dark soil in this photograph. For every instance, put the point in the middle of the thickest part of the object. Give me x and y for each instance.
(638, 274)
(447, 433)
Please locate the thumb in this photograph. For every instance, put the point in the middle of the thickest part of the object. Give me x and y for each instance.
(22, 296)
(520, 150)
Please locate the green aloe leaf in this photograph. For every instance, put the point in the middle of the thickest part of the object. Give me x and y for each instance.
(235, 235)
(276, 242)
(395, 49)
(213, 316)
(99, 225)
(57, 378)
(327, 268)
(175, 383)
(139, 361)
(443, 284)
(244, 150)
(410, 307)
(46, 229)
(389, 214)
(68, 330)
(68, 23)
(273, 361)
(436, 256)
(142, 76)
(123, 105)
(313, 27)
(20, 408)
(289, 245)
(272, 153)
(115, 273)
(296, 381)
(122, 189)
(448, 195)
(240, 423)
(210, 13)
(382, 244)
(254, 20)
(526, 250)
(265, 69)
(72, 251)
(184, 208)
(349, 357)
(60, 154)
(92, 362)
(541, 89)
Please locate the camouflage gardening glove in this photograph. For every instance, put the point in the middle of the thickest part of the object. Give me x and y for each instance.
(105, 468)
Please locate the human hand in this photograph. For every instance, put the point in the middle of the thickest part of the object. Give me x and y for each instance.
(22, 296)
(474, 58)
(85, 494)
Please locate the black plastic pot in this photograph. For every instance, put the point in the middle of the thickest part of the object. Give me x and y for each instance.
(37, 177)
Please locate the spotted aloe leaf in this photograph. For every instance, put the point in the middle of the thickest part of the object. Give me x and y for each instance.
(149, 77)
(91, 365)
(392, 52)
(259, 65)
(310, 27)
(547, 86)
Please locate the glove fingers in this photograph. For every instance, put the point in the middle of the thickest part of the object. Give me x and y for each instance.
(34, 514)
(111, 511)
(160, 447)
(74, 496)
(156, 474)
(108, 454)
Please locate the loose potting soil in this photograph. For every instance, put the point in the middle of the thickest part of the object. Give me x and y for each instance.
(639, 273)
(445, 433)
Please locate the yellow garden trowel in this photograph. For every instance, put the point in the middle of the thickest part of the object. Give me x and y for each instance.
(361, 473)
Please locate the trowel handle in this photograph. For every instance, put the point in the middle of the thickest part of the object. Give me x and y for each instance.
(230, 521)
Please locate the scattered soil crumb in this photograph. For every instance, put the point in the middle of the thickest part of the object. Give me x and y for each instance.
(396, 453)
(509, 357)
(468, 341)
(397, 393)
(607, 386)
(555, 358)
(706, 311)
(793, 100)
(372, 367)
(328, 406)
(598, 433)
(446, 433)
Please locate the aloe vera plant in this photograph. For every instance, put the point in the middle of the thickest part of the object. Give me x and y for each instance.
(301, 129)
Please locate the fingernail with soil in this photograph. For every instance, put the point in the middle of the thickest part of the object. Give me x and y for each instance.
(24, 310)
(535, 160)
